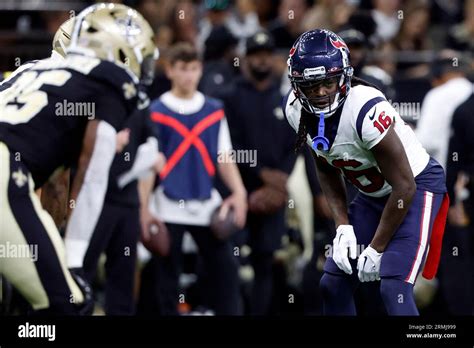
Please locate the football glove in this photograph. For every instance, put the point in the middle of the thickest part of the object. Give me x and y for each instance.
(369, 265)
(345, 239)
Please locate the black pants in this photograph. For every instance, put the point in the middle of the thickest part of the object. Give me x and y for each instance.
(455, 270)
(116, 234)
(221, 293)
(265, 234)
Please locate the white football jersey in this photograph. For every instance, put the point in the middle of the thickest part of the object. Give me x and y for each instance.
(366, 115)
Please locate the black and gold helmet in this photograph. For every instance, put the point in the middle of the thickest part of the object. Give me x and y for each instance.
(116, 33)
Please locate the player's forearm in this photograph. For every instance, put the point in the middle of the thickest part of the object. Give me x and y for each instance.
(230, 175)
(393, 214)
(334, 190)
(145, 186)
(54, 196)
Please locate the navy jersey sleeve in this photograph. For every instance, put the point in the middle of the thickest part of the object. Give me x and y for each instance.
(110, 108)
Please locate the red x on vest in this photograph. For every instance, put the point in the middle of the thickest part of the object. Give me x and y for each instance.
(191, 137)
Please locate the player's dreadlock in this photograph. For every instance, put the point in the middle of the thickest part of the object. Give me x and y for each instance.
(307, 121)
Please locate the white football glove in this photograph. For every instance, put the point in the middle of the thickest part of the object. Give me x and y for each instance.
(369, 265)
(345, 239)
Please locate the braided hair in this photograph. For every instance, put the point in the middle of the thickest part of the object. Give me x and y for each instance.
(308, 121)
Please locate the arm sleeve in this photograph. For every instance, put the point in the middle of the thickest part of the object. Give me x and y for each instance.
(90, 199)
(110, 107)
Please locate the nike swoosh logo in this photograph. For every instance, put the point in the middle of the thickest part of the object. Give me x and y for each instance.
(365, 260)
(373, 116)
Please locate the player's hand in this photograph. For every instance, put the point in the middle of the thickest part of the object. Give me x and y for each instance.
(369, 265)
(267, 200)
(238, 202)
(123, 138)
(147, 221)
(457, 215)
(344, 243)
(160, 162)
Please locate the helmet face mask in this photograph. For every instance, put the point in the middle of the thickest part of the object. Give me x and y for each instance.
(318, 95)
(118, 34)
(319, 71)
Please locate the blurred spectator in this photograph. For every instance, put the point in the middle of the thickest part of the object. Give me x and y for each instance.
(242, 21)
(446, 12)
(451, 88)
(412, 38)
(358, 47)
(461, 36)
(460, 166)
(184, 20)
(219, 61)
(458, 258)
(288, 26)
(257, 124)
(186, 197)
(363, 21)
(266, 11)
(150, 9)
(386, 16)
(328, 14)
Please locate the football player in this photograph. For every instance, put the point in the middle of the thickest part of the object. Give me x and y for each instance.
(402, 202)
(79, 103)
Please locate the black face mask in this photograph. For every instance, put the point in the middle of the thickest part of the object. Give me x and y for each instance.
(260, 74)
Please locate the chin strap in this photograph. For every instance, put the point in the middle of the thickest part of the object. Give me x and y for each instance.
(320, 139)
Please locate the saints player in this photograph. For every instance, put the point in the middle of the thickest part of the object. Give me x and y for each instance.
(401, 206)
(65, 113)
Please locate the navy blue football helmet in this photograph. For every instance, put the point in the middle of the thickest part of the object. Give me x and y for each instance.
(320, 56)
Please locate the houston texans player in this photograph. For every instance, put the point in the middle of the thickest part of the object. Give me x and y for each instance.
(402, 202)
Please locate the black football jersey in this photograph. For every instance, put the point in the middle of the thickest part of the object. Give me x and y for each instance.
(46, 107)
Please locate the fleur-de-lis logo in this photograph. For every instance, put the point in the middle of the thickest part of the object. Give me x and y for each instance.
(19, 178)
(129, 90)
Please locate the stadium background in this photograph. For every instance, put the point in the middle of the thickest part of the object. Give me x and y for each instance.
(403, 43)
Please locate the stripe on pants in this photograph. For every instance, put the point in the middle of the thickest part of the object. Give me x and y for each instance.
(423, 237)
